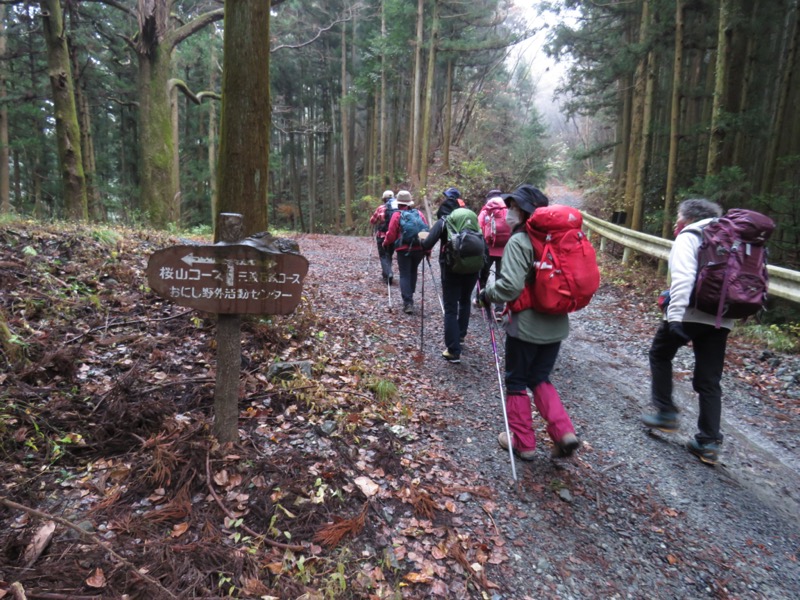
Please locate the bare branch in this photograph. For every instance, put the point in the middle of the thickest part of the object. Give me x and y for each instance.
(347, 16)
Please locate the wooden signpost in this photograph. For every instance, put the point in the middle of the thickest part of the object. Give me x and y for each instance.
(258, 275)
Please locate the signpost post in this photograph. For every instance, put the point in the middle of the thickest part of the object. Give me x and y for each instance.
(258, 275)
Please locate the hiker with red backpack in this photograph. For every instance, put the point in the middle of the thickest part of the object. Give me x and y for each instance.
(462, 254)
(707, 252)
(380, 223)
(492, 220)
(403, 235)
(534, 331)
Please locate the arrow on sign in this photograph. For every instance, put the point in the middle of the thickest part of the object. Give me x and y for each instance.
(191, 259)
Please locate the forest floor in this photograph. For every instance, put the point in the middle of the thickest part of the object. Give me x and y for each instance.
(377, 476)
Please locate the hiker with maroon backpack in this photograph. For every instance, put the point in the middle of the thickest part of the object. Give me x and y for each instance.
(492, 220)
(406, 245)
(533, 336)
(380, 222)
(707, 262)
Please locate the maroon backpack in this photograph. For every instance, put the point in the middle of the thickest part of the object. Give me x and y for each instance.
(732, 265)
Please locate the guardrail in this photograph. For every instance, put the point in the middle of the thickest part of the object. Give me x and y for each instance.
(783, 283)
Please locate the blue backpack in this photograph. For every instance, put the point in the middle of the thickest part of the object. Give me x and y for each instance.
(411, 224)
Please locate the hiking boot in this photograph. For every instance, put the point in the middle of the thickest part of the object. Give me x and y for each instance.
(408, 308)
(451, 358)
(707, 453)
(502, 439)
(663, 419)
(391, 279)
(565, 447)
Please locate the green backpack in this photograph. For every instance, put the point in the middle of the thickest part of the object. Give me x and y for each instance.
(466, 248)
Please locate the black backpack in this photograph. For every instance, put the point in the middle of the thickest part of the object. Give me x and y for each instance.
(388, 215)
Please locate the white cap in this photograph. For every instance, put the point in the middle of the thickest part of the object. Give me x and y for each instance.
(388, 194)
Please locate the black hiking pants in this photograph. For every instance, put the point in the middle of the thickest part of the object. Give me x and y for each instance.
(708, 344)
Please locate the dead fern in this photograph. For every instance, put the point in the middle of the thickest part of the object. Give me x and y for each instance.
(335, 532)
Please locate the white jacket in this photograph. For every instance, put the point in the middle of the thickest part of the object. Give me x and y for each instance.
(683, 272)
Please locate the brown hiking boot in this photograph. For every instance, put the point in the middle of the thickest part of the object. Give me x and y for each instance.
(502, 439)
(565, 447)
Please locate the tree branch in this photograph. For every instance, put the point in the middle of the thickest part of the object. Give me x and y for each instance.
(348, 16)
(90, 537)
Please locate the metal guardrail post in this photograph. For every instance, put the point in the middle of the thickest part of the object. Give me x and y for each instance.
(783, 283)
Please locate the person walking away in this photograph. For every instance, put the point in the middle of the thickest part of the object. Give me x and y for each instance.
(407, 247)
(457, 285)
(492, 220)
(380, 223)
(452, 201)
(533, 340)
(683, 324)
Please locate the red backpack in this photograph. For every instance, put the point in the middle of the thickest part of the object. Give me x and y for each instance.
(493, 223)
(564, 276)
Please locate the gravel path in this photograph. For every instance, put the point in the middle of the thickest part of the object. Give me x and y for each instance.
(633, 515)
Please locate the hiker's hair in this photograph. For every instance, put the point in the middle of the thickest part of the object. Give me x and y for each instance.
(695, 209)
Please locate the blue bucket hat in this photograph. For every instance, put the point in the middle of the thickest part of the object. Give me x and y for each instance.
(451, 193)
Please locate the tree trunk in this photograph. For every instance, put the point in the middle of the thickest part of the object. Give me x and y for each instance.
(674, 121)
(426, 121)
(637, 120)
(414, 140)
(5, 175)
(717, 133)
(212, 139)
(384, 176)
(243, 172)
(348, 192)
(644, 148)
(67, 131)
(780, 116)
(448, 117)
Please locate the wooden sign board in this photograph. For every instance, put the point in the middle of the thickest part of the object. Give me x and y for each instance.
(243, 278)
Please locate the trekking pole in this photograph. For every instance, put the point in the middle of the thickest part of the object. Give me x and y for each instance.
(389, 291)
(422, 312)
(502, 395)
(433, 278)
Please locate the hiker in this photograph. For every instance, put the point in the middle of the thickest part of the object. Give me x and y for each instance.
(533, 340)
(683, 324)
(407, 247)
(380, 223)
(492, 220)
(452, 201)
(457, 283)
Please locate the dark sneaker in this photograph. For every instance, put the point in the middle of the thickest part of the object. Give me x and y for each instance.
(502, 439)
(707, 453)
(408, 308)
(565, 447)
(663, 420)
(391, 279)
(451, 358)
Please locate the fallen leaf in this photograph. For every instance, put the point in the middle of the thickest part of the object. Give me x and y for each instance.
(179, 529)
(97, 579)
(367, 486)
(418, 578)
(672, 559)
